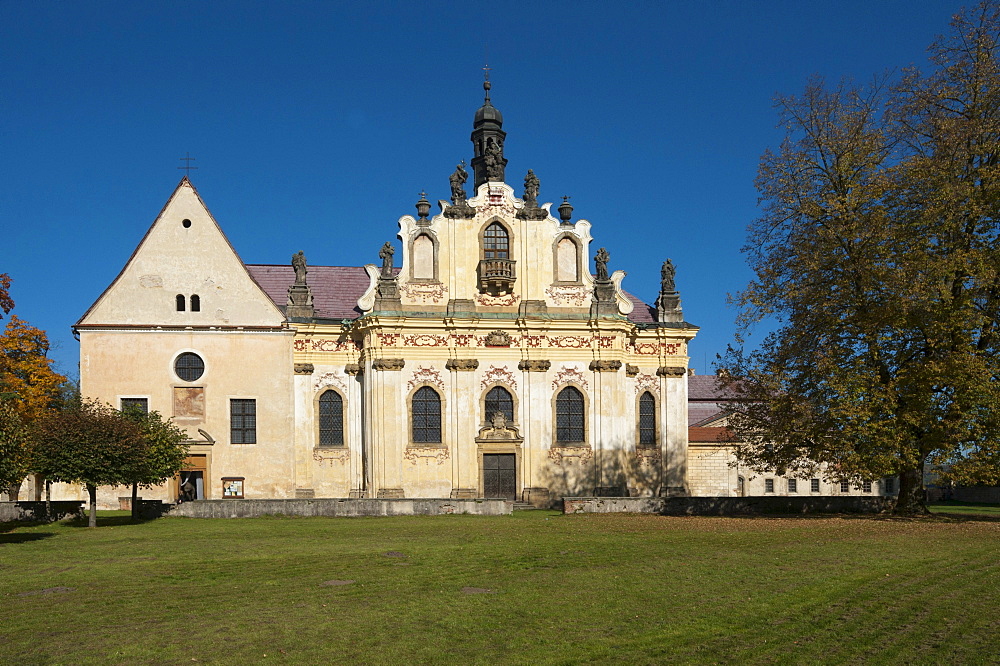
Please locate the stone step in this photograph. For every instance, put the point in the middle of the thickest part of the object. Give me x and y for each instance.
(524, 506)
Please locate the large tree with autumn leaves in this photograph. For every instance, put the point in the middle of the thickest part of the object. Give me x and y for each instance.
(28, 387)
(878, 254)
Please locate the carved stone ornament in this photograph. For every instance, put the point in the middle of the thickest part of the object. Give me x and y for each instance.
(631, 370)
(534, 365)
(331, 455)
(330, 379)
(497, 339)
(352, 368)
(570, 455)
(648, 456)
(415, 454)
(304, 368)
(462, 364)
(603, 365)
(424, 375)
(388, 363)
(670, 371)
(499, 430)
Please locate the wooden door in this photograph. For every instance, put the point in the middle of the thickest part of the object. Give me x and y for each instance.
(500, 475)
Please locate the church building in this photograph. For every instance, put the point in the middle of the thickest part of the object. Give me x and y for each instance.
(485, 361)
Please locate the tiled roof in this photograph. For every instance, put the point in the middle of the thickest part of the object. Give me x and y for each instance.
(712, 435)
(335, 289)
(705, 387)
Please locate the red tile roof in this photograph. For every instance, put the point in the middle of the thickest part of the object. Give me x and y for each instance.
(336, 290)
(711, 435)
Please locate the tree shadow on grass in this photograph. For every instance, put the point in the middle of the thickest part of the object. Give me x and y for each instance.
(24, 537)
(107, 521)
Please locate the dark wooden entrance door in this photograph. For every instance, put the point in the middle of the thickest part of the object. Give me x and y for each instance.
(499, 475)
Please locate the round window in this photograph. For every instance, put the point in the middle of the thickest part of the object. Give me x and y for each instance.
(189, 367)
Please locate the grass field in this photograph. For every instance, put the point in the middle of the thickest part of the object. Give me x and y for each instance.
(535, 587)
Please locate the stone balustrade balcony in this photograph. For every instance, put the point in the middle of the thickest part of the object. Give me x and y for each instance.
(497, 276)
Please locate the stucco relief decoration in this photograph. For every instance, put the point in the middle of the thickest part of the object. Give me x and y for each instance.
(425, 340)
(604, 341)
(428, 454)
(650, 348)
(568, 295)
(569, 341)
(324, 345)
(533, 340)
(388, 339)
(567, 375)
(498, 375)
(644, 382)
(648, 457)
(569, 455)
(497, 339)
(425, 376)
(330, 379)
(497, 301)
(431, 291)
(331, 456)
(463, 340)
(497, 203)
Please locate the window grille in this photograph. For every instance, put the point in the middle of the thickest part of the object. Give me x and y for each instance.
(242, 421)
(866, 486)
(189, 367)
(814, 485)
(845, 487)
(140, 404)
(647, 419)
(768, 485)
(499, 399)
(426, 415)
(793, 485)
(569, 415)
(331, 419)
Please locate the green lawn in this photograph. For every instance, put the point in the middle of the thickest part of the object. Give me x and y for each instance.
(535, 587)
(966, 508)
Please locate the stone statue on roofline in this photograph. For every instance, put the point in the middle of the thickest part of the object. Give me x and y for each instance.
(601, 260)
(299, 264)
(667, 273)
(457, 181)
(385, 254)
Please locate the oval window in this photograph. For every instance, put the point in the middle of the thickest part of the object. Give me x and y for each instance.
(189, 367)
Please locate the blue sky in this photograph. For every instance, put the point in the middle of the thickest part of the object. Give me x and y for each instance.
(315, 125)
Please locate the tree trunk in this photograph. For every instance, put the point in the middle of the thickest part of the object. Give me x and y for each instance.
(135, 501)
(911, 500)
(93, 505)
(48, 499)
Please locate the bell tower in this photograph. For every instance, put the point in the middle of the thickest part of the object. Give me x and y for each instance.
(488, 162)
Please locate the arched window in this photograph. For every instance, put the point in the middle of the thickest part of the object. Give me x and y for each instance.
(180, 303)
(499, 399)
(195, 303)
(569, 415)
(496, 242)
(426, 415)
(331, 419)
(647, 419)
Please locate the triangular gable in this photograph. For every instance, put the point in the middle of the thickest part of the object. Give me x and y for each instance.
(185, 253)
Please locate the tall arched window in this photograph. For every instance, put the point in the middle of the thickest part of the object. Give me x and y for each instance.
(331, 419)
(195, 303)
(426, 415)
(569, 415)
(499, 399)
(496, 242)
(647, 419)
(180, 303)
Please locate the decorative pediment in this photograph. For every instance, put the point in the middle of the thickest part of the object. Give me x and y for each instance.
(499, 430)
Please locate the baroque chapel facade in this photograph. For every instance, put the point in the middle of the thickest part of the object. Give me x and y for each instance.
(489, 363)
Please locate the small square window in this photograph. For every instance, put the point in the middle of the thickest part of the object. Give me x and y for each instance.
(135, 404)
(793, 485)
(768, 485)
(814, 485)
(845, 487)
(866, 486)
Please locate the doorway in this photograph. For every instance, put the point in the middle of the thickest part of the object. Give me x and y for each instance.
(500, 475)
